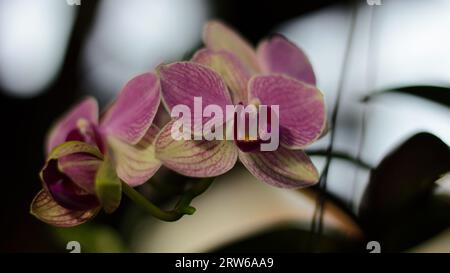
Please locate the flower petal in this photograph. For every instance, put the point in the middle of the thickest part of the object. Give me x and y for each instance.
(87, 132)
(132, 113)
(47, 210)
(302, 109)
(87, 110)
(64, 191)
(81, 168)
(234, 73)
(278, 55)
(217, 35)
(195, 158)
(135, 164)
(73, 147)
(182, 81)
(161, 117)
(282, 168)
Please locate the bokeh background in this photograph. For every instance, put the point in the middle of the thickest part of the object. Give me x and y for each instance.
(52, 54)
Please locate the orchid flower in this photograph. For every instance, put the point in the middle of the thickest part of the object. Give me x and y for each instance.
(87, 158)
(229, 71)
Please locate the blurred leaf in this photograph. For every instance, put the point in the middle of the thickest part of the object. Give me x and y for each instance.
(108, 186)
(397, 207)
(340, 233)
(406, 229)
(92, 238)
(407, 173)
(291, 238)
(337, 217)
(434, 93)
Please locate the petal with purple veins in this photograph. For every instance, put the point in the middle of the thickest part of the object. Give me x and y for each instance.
(47, 210)
(183, 83)
(73, 147)
(135, 164)
(132, 113)
(282, 168)
(217, 36)
(279, 55)
(195, 158)
(234, 73)
(86, 110)
(87, 132)
(60, 186)
(302, 114)
(81, 168)
(64, 191)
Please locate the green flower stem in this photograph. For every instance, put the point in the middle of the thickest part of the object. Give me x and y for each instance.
(181, 208)
(340, 155)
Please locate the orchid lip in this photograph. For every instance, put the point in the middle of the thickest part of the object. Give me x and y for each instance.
(88, 133)
(64, 191)
(247, 144)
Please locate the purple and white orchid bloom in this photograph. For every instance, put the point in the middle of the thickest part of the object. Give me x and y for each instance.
(229, 71)
(87, 157)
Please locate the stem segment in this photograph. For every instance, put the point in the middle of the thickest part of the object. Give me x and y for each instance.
(181, 208)
(340, 155)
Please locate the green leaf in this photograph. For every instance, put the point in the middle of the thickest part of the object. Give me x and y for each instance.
(406, 174)
(398, 208)
(434, 93)
(108, 186)
(420, 222)
(290, 238)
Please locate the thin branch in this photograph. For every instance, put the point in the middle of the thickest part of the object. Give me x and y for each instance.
(341, 155)
(318, 212)
(181, 208)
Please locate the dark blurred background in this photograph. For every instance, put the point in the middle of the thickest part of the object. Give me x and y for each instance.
(52, 54)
